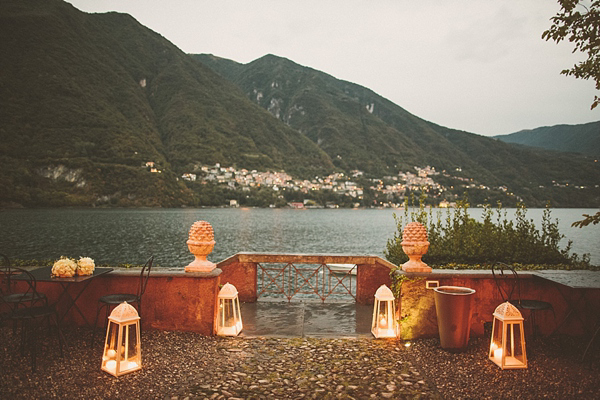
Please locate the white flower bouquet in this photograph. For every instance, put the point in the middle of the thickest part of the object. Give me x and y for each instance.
(85, 266)
(64, 268)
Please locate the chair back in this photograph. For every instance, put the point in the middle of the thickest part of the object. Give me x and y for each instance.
(6, 272)
(144, 275)
(27, 293)
(498, 272)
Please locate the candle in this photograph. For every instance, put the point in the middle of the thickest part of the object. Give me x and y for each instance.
(111, 354)
(111, 366)
(383, 322)
(498, 354)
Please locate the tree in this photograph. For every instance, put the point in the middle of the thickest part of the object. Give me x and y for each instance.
(589, 219)
(583, 30)
(579, 24)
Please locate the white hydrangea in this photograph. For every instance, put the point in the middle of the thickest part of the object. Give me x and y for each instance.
(85, 266)
(64, 268)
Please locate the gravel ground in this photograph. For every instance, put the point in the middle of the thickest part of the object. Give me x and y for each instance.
(180, 365)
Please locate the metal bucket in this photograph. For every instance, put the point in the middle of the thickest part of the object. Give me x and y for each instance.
(454, 307)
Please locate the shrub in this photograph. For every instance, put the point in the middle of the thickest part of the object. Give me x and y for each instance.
(458, 239)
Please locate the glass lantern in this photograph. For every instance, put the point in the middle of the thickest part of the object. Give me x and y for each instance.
(229, 318)
(507, 346)
(122, 349)
(384, 314)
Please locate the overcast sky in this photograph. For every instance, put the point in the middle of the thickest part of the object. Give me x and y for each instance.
(479, 66)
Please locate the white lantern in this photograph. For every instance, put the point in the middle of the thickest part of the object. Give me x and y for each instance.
(122, 349)
(384, 314)
(507, 346)
(229, 318)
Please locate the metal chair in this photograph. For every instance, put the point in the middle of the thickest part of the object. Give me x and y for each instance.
(521, 304)
(30, 315)
(11, 299)
(112, 300)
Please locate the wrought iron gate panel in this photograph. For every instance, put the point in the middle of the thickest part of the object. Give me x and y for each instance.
(291, 280)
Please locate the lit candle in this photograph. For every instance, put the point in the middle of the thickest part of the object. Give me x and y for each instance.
(383, 322)
(498, 354)
(111, 365)
(111, 354)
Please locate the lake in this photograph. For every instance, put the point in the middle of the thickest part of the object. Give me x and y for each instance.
(130, 235)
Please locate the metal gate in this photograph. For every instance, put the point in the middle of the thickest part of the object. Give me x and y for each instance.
(336, 282)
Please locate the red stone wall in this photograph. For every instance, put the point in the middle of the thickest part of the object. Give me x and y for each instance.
(417, 305)
(243, 277)
(176, 301)
(369, 277)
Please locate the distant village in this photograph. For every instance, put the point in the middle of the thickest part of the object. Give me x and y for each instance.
(393, 187)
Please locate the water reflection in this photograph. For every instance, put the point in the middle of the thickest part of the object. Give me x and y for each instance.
(131, 235)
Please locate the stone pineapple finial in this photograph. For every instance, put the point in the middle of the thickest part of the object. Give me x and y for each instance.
(415, 245)
(201, 243)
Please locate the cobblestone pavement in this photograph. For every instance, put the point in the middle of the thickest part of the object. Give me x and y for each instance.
(189, 366)
(180, 365)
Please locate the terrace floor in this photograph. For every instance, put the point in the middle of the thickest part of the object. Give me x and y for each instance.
(309, 360)
(306, 319)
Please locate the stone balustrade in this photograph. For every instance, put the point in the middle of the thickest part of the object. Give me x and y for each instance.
(187, 301)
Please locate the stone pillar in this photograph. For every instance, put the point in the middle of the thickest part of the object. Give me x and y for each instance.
(369, 277)
(243, 276)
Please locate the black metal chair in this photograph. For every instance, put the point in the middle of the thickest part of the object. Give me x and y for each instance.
(532, 306)
(112, 300)
(11, 299)
(31, 316)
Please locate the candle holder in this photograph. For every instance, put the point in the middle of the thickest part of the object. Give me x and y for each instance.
(384, 323)
(507, 346)
(122, 348)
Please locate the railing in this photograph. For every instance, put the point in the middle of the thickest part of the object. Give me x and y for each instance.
(336, 281)
(305, 276)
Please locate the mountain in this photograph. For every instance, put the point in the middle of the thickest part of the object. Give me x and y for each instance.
(99, 110)
(88, 99)
(583, 138)
(359, 129)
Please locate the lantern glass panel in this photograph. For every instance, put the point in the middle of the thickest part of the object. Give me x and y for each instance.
(109, 360)
(122, 349)
(228, 313)
(383, 319)
(229, 320)
(130, 346)
(514, 345)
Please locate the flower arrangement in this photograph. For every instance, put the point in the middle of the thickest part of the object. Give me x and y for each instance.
(68, 267)
(85, 266)
(64, 268)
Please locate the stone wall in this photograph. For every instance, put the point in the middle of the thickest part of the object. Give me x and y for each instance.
(174, 300)
(418, 315)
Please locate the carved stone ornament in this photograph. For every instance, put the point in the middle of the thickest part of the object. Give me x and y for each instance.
(201, 243)
(415, 245)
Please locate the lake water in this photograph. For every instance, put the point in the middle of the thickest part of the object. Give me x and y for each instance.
(130, 235)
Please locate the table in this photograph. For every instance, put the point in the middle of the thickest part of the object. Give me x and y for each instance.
(578, 284)
(44, 274)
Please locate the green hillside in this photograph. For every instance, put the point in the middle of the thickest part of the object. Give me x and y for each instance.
(584, 138)
(362, 130)
(88, 99)
(98, 110)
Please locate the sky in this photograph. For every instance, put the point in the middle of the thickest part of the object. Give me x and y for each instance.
(478, 66)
